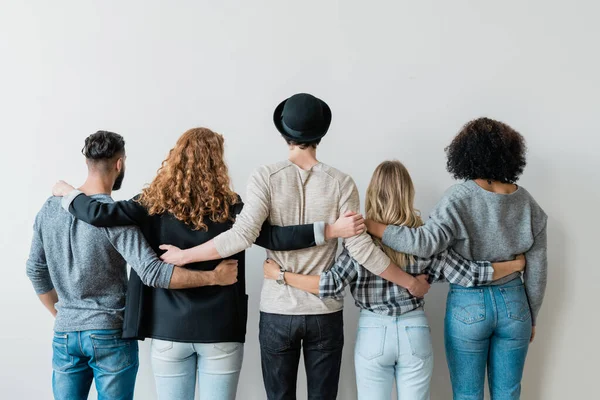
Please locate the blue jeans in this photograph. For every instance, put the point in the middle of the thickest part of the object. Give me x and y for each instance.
(487, 327)
(175, 365)
(389, 348)
(284, 337)
(101, 355)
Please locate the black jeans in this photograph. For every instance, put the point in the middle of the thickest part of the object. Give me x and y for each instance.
(321, 337)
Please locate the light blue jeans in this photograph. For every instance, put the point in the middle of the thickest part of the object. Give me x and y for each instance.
(389, 348)
(487, 327)
(175, 365)
(101, 355)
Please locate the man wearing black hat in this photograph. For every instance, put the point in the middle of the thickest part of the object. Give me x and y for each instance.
(297, 191)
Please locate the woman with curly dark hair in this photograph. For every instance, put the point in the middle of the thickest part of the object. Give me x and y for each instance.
(195, 332)
(487, 217)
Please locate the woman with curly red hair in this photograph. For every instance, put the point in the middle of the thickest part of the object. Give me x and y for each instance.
(194, 331)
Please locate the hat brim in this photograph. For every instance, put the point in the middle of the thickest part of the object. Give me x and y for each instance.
(315, 134)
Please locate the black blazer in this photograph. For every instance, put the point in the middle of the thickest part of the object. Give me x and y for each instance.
(201, 315)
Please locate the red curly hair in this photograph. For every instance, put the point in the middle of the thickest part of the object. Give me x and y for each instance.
(193, 182)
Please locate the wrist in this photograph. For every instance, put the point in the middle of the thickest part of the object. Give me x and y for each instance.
(412, 283)
(186, 257)
(330, 232)
(212, 278)
(517, 266)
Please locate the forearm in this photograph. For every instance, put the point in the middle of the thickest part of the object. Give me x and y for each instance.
(40, 277)
(184, 278)
(308, 283)
(49, 300)
(425, 241)
(205, 252)
(536, 274)
(398, 276)
(502, 269)
(288, 238)
(94, 212)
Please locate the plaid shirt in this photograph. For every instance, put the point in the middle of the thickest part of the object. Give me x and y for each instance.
(375, 294)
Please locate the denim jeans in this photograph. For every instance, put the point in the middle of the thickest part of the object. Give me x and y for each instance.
(487, 327)
(175, 365)
(319, 337)
(389, 348)
(101, 355)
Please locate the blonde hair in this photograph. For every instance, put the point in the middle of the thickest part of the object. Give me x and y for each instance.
(193, 182)
(390, 200)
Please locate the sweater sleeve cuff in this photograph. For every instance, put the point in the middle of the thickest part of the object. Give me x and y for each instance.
(167, 273)
(68, 199)
(388, 235)
(221, 245)
(378, 262)
(43, 286)
(319, 228)
(486, 273)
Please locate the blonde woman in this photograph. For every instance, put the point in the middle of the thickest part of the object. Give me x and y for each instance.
(393, 340)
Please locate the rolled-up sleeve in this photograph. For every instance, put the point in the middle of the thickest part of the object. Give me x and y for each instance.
(341, 274)
(36, 266)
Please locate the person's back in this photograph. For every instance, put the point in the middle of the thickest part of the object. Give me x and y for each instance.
(487, 217)
(298, 196)
(492, 226)
(87, 272)
(79, 274)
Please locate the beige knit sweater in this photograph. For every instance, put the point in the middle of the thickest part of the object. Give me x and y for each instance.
(286, 195)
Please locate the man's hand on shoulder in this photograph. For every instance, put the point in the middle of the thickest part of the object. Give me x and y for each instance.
(348, 225)
(61, 189)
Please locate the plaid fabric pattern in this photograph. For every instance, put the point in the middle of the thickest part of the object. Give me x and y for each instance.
(375, 294)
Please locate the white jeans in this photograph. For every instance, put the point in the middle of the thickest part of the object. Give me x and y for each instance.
(389, 348)
(175, 364)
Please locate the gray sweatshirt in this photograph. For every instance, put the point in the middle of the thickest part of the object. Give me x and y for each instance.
(481, 225)
(87, 267)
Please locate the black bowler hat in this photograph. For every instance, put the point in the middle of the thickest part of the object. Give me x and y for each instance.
(302, 118)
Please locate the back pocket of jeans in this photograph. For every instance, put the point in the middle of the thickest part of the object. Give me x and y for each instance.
(227, 347)
(370, 341)
(419, 338)
(515, 299)
(61, 359)
(160, 346)
(113, 354)
(467, 305)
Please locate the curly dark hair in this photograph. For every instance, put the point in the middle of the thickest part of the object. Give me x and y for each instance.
(103, 145)
(487, 149)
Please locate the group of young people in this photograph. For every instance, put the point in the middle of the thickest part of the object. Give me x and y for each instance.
(191, 301)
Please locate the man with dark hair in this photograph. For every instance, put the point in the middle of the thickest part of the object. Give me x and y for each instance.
(297, 191)
(79, 273)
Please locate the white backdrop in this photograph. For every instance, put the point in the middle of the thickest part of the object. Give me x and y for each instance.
(401, 78)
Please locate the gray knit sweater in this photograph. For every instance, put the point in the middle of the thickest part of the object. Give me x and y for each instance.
(481, 225)
(87, 267)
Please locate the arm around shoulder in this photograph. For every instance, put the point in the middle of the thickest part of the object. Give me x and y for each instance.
(97, 213)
